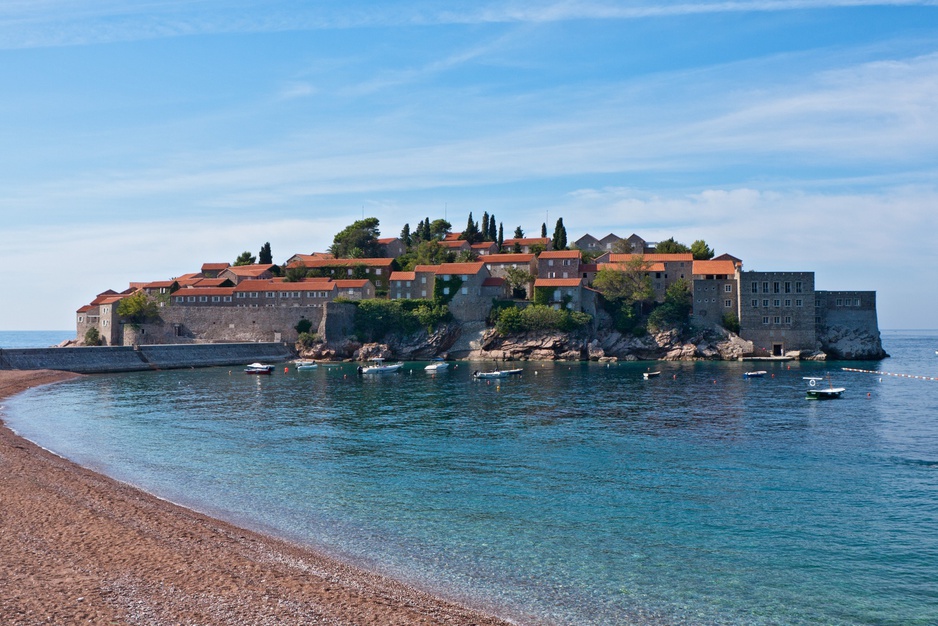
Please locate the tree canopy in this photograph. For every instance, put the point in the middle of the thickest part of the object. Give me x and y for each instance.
(669, 246)
(138, 308)
(245, 258)
(265, 256)
(701, 250)
(559, 240)
(358, 240)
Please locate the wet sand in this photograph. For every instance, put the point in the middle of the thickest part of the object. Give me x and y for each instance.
(77, 547)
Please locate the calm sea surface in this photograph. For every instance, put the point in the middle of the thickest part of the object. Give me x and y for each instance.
(575, 494)
(33, 338)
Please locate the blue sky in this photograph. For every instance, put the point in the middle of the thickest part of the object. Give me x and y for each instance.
(141, 139)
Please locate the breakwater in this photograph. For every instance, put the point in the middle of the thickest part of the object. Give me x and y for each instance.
(97, 360)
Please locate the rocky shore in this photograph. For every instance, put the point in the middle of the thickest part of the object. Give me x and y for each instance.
(478, 343)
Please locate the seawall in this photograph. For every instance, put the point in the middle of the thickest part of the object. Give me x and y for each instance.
(97, 360)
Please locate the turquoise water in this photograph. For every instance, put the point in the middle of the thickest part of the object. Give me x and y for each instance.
(575, 494)
(33, 338)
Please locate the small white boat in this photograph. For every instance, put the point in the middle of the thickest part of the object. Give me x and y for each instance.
(819, 392)
(648, 375)
(379, 367)
(755, 374)
(306, 365)
(439, 366)
(496, 373)
(259, 368)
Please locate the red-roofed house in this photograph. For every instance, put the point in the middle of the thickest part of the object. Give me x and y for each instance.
(499, 264)
(715, 290)
(485, 248)
(277, 293)
(403, 286)
(463, 284)
(663, 269)
(238, 273)
(355, 289)
(526, 244)
(377, 270)
(212, 270)
(392, 247)
(560, 292)
(558, 264)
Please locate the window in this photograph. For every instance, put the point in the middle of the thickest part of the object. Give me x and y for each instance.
(776, 302)
(567, 262)
(216, 298)
(203, 298)
(840, 302)
(799, 302)
(550, 262)
(349, 271)
(858, 302)
(378, 271)
(765, 287)
(765, 319)
(423, 280)
(787, 303)
(765, 303)
(778, 320)
(755, 287)
(227, 299)
(755, 304)
(465, 277)
(445, 291)
(271, 294)
(423, 293)
(787, 287)
(445, 276)
(776, 288)
(180, 299)
(465, 291)
(788, 319)
(727, 288)
(191, 298)
(728, 303)
(798, 287)
(240, 294)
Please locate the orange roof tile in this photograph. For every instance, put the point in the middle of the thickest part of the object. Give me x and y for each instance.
(527, 241)
(521, 257)
(317, 263)
(460, 268)
(625, 258)
(558, 282)
(351, 283)
(403, 276)
(703, 268)
(204, 291)
(215, 266)
(249, 270)
(560, 254)
(276, 285)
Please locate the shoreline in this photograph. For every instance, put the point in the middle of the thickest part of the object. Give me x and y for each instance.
(82, 547)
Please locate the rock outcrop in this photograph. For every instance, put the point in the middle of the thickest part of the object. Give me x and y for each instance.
(840, 342)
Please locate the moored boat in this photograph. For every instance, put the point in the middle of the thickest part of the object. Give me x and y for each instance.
(306, 365)
(819, 392)
(259, 368)
(647, 375)
(496, 373)
(439, 366)
(755, 374)
(380, 367)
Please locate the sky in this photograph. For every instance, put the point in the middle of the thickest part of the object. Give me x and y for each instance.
(140, 139)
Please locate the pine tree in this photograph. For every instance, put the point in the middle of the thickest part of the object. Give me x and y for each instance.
(265, 256)
(471, 234)
(519, 234)
(559, 240)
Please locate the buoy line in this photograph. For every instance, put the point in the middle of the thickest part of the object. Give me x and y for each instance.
(850, 369)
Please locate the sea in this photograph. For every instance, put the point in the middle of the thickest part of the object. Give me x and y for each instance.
(574, 493)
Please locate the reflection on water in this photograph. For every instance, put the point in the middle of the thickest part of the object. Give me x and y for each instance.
(574, 494)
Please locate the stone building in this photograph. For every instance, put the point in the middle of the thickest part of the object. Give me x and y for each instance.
(777, 311)
(715, 291)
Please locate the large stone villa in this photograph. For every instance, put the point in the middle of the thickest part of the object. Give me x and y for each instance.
(778, 312)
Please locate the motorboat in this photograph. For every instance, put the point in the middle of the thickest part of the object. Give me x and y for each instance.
(306, 365)
(259, 368)
(437, 366)
(647, 375)
(820, 392)
(496, 373)
(378, 366)
(755, 374)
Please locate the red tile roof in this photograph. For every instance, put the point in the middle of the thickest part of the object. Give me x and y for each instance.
(317, 263)
(649, 266)
(703, 268)
(403, 276)
(521, 257)
(558, 282)
(249, 270)
(460, 268)
(204, 291)
(351, 283)
(278, 285)
(560, 254)
(625, 258)
(215, 266)
(528, 241)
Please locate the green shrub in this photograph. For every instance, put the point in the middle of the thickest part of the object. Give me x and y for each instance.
(539, 317)
(303, 326)
(307, 340)
(731, 322)
(92, 337)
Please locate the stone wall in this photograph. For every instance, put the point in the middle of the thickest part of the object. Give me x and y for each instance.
(847, 324)
(338, 322)
(777, 312)
(95, 360)
(222, 324)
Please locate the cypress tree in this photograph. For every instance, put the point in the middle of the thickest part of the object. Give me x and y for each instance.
(560, 236)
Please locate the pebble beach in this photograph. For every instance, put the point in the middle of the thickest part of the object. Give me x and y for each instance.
(81, 548)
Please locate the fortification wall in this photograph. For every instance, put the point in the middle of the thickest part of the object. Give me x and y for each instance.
(208, 324)
(129, 359)
(338, 322)
(847, 324)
